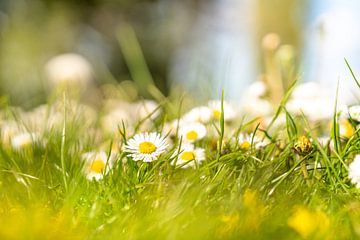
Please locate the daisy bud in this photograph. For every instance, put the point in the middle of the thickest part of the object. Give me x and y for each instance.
(303, 146)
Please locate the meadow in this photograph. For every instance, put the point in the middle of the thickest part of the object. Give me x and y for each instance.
(173, 169)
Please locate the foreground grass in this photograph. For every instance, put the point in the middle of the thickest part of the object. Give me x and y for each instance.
(271, 192)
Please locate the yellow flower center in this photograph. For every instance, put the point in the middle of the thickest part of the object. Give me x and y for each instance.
(217, 114)
(97, 166)
(303, 145)
(245, 145)
(346, 129)
(147, 147)
(192, 135)
(187, 156)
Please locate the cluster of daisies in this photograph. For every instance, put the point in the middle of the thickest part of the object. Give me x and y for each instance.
(183, 139)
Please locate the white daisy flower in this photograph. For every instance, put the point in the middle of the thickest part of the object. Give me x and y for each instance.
(229, 111)
(23, 140)
(343, 111)
(312, 99)
(244, 141)
(69, 68)
(146, 146)
(9, 129)
(354, 171)
(145, 109)
(112, 121)
(324, 140)
(170, 128)
(354, 112)
(257, 107)
(253, 101)
(199, 114)
(189, 156)
(96, 165)
(192, 132)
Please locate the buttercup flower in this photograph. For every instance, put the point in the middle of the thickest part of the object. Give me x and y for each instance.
(354, 171)
(192, 132)
(146, 147)
(189, 156)
(96, 165)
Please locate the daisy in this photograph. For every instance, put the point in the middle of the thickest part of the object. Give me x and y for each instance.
(23, 140)
(146, 146)
(201, 114)
(192, 132)
(244, 141)
(171, 128)
(354, 171)
(229, 111)
(253, 101)
(189, 156)
(69, 68)
(324, 140)
(354, 112)
(112, 121)
(312, 99)
(145, 109)
(96, 165)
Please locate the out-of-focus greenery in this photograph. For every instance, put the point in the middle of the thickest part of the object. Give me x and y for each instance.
(276, 191)
(34, 31)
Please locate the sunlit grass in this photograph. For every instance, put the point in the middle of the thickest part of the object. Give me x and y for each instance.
(288, 188)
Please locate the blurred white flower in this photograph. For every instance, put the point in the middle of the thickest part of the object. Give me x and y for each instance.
(8, 130)
(170, 128)
(189, 156)
(96, 164)
(192, 132)
(354, 171)
(112, 121)
(69, 68)
(343, 111)
(245, 141)
(229, 110)
(256, 90)
(324, 140)
(313, 100)
(199, 114)
(253, 101)
(23, 140)
(258, 107)
(145, 109)
(146, 147)
(354, 112)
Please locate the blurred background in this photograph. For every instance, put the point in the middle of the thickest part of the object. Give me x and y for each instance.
(200, 46)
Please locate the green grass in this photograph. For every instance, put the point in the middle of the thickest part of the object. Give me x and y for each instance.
(234, 194)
